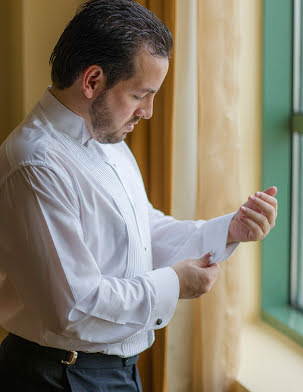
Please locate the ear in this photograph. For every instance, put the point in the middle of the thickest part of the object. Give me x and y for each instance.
(93, 81)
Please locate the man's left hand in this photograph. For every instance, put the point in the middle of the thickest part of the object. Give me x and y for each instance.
(255, 218)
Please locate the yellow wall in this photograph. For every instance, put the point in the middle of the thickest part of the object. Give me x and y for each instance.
(29, 30)
(11, 96)
(44, 21)
(4, 66)
(10, 71)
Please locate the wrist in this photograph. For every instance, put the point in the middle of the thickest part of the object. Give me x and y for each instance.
(230, 237)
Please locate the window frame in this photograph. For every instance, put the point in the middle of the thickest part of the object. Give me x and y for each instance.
(277, 156)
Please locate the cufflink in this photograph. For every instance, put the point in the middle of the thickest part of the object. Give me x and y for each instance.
(211, 257)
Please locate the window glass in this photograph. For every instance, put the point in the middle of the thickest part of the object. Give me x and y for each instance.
(296, 286)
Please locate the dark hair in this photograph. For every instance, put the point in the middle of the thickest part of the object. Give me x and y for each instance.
(108, 33)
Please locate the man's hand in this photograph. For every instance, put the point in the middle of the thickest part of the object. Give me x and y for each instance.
(255, 218)
(196, 277)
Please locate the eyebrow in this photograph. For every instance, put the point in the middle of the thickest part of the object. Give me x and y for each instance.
(148, 90)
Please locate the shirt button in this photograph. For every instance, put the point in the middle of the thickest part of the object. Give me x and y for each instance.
(159, 321)
(145, 248)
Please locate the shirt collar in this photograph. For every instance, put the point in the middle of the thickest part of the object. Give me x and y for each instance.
(63, 119)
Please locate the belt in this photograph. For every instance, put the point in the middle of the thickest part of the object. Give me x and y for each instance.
(25, 349)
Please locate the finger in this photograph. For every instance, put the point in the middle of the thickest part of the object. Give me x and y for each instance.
(206, 259)
(251, 205)
(209, 275)
(271, 191)
(255, 231)
(260, 219)
(269, 199)
(267, 209)
(214, 268)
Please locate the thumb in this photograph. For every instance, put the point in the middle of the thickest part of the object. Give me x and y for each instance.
(206, 260)
(271, 191)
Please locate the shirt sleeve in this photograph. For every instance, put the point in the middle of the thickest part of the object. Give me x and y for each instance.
(46, 259)
(174, 240)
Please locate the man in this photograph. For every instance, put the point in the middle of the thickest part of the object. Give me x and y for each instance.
(89, 268)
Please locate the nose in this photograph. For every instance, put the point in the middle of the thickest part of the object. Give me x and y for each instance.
(146, 108)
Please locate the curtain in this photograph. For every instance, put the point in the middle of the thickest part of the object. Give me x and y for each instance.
(152, 144)
(179, 334)
(214, 320)
(216, 326)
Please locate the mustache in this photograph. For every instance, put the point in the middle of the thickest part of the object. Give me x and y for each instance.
(134, 120)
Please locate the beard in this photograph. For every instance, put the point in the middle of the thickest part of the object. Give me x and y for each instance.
(102, 121)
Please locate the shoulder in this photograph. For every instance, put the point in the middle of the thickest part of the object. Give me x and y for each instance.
(31, 152)
(28, 142)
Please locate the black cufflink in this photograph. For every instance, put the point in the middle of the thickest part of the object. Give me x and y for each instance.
(159, 321)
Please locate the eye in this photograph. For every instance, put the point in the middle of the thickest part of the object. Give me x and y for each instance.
(138, 98)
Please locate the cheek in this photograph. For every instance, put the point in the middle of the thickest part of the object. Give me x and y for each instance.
(125, 110)
(122, 108)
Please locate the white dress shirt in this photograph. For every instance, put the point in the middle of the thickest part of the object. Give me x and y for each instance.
(84, 257)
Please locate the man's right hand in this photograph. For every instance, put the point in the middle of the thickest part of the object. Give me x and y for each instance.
(196, 277)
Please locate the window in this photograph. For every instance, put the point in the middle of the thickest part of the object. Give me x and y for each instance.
(296, 281)
(282, 279)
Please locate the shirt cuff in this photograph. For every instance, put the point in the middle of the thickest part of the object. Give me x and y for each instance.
(166, 283)
(215, 236)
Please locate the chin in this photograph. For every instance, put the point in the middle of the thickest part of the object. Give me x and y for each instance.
(110, 137)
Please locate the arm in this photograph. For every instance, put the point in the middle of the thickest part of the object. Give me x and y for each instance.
(45, 257)
(174, 240)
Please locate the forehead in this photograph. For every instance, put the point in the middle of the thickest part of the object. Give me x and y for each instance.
(150, 71)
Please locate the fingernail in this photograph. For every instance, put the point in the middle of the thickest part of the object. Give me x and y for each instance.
(251, 197)
(211, 259)
(243, 209)
(258, 194)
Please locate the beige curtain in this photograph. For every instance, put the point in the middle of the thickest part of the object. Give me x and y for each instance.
(214, 321)
(179, 334)
(152, 144)
(216, 328)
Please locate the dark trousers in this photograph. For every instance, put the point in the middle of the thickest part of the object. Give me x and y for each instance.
(28, 367)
